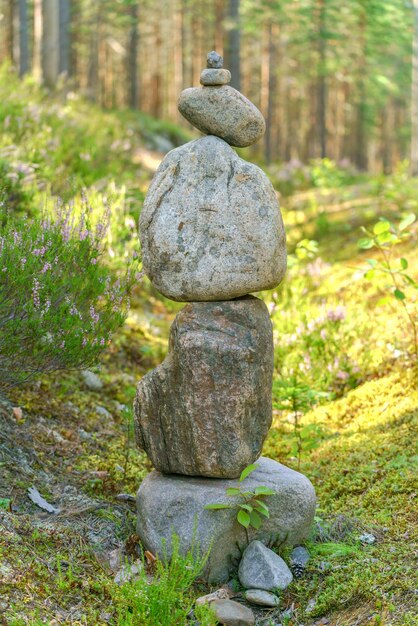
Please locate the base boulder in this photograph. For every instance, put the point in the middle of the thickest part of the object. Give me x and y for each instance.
(175, 504)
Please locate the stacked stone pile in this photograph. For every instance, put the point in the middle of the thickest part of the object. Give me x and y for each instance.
(212, 234)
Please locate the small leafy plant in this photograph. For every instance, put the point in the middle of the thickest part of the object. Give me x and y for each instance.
(385, 236)
(251, 507)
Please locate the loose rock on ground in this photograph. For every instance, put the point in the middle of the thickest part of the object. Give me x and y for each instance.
(261, 568)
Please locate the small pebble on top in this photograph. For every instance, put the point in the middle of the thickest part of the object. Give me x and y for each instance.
(214, 60)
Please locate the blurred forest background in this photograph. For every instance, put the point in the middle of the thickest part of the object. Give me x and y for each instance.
(333, 79)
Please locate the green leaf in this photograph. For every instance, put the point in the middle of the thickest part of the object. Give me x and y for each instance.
(264, 491)
(247, 507)
(383, 301)
(245, 472)
(386, 237)
(5, 503)
(404, 264)
(410, 280)
(217, 506)
(407, 221)
(233, 491)
(261, 508)
(381, 227)
(365, 243)
(311, 445)
(243, 518)
(399, 295)
(370, 274)
(372, 262)
(255, 520)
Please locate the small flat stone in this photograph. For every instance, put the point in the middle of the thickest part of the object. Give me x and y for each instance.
(261, 568)
(213, 59)
(232, 613)
(223, 112)
(262, 598)
(213, 76)
(219, 594)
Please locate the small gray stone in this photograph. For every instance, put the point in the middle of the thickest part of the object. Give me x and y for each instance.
(232, 613)
(367, 538)
(211, 227)
(176, 504)
(101, 410)
(213, 77)
(128, 572)
(91, 380)
(206, 410)
(224, 112)
(213, 59)
(299, 555)
(262, 598)
(219, 594)
(261, 568)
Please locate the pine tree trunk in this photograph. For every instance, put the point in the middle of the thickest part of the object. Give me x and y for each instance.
(50, 42)
(233, 47)
(37, 39)
(272, 87)
(414, 97)
(361, 150)
(20, 36)
(321, 86)
(132, 57)
(64, 36)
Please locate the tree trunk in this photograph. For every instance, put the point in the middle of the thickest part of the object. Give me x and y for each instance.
(9, 14)
(414, 97)
(64, 37)
(270, 151)
(23, 37)
(37, 39)
(50, 42)
(132, 57)
(322, 87)
(361, 149)
(233, 43)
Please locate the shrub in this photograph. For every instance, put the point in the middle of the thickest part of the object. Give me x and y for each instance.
(59, 301)
(165, 598)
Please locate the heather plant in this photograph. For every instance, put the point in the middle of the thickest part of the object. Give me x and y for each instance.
(313, 339)
(59, 301)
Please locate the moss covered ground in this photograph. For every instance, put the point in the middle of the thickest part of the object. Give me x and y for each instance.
(345, 395)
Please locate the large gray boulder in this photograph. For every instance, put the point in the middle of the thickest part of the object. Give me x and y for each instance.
(175, 504)
(224, 112)
(211, 227)
(206, 410)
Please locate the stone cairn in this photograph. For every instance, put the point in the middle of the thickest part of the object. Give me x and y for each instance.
(211, 234)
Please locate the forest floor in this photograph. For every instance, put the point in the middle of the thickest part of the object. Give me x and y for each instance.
(356, 441)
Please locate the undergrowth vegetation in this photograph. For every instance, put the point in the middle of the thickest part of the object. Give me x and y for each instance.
(345, 400)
